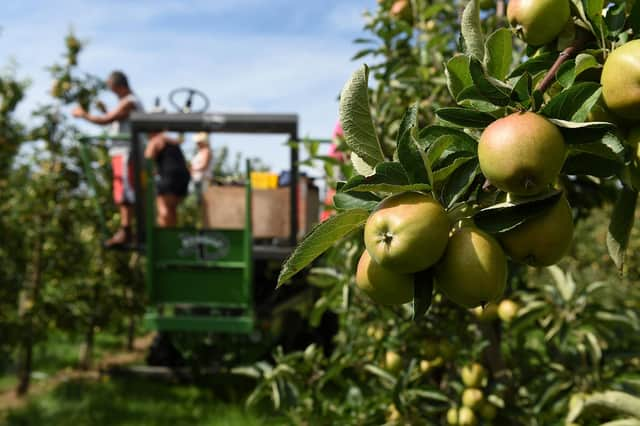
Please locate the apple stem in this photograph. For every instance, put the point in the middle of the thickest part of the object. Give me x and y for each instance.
(388, 236)
(578, 43)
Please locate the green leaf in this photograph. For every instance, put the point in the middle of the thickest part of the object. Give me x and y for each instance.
(535, 64)
(634, 18)
(355, 200)
(439, 147)
(360, 166)
(459, 182)
(458, 75)
(388, 177)
(620, 403)
(430, 134)
(321, 238)
(355, 116)
(444, 172)
(494, 91)
(601, 159)
(616, 18)
(384, 376)
(422, 293)
(498, 53)
(585, 163)
(409, 153)
(408, 123)
(471, 30)
(584, 62)
(623, 422)
(505, 216)
(593, 10)
(465, 117)
(583, 133)
(620, 226)
(571, 69)
(472, 98)
(566, 74)
(522, 88)
(574, 103)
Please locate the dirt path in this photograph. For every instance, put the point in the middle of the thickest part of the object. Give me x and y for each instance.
(9, 400)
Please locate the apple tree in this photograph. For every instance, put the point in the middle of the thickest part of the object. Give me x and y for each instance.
(537, 134)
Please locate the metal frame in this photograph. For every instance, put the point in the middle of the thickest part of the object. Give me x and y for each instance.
(213, 123)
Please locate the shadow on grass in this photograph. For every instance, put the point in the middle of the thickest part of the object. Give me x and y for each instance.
(141, 403)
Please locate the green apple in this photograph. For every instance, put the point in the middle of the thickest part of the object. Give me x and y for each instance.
(621, 81)
(407, 232)
(473, 375)
(466, 417)
(472, 398)
(473, 270)
(392, 361)
(508, 310)
(521, 153)
(538, 22)
(382, 285)
(543, 239)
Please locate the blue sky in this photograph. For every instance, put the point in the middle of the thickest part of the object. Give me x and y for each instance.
(247, 55)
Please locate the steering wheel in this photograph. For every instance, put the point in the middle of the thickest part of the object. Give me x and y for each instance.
(189, 95)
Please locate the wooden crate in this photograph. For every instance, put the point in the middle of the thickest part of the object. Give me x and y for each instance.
(223, 208)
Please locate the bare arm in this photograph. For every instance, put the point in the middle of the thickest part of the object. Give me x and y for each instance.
(155, 145)
(121, 111)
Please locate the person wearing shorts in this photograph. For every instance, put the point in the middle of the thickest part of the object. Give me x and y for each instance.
(120, 151)
(172, 176)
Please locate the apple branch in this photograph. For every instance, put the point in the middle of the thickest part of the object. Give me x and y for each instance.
(578, 43)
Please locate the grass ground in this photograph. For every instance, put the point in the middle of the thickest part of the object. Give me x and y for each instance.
(60, 352)
(90, 399)
(138, 402)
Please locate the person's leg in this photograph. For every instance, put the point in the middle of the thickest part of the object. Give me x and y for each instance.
(126, 215)
(172, 202)
(123, 234)
(161, 210)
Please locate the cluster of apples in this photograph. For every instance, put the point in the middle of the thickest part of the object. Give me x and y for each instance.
(521, 154)
(409, 233)
(540, 22)
(473, 402)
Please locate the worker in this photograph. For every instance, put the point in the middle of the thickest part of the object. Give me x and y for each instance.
(172, 179)
(201, 164)
(120, 152)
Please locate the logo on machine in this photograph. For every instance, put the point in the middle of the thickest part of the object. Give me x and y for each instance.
(205, 246)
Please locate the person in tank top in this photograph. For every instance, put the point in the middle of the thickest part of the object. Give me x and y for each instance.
(119, 150)
(172, 176)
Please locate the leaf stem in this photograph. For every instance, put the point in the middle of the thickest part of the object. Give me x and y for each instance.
(578, 43)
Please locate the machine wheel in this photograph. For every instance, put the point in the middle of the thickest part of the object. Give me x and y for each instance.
(163, 353)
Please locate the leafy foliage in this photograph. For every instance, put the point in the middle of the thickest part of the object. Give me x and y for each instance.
(575, 328)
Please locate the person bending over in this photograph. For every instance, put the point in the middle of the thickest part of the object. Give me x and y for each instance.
(172, 176)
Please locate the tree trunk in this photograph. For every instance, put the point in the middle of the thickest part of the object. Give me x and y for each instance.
(28, 300)
(86, 352)
(131, 332)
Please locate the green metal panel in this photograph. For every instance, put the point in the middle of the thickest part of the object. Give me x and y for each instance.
(200, 286)
(202, 267)
(188, 244)
(231, 324)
